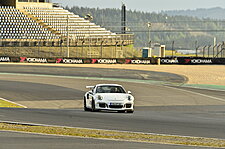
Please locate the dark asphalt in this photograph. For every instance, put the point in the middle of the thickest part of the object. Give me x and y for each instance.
(18, 91)
(74, 89)
(12, 140)
(201, 121)
(214, 93)
(94, 72)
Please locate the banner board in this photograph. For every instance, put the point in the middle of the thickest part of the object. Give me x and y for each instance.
(4, 59)
(136, 61)
(33, 60)
(69, 61)
(192, 60)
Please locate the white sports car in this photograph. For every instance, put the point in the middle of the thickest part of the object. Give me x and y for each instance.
(108, 97)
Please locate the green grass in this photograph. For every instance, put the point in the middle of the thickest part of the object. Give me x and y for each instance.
(169, 53)
(6, 104)
(205, 86)
(115, 135)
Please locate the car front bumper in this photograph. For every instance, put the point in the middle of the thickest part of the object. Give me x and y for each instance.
(115, 106)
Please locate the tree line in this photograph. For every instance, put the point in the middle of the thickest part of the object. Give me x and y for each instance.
(187, 32)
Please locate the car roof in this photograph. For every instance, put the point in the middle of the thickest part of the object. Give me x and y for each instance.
(108, 85)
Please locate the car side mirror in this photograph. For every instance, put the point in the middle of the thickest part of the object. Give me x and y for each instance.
(129, 92)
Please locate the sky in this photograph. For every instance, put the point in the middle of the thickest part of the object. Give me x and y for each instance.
(145, 5)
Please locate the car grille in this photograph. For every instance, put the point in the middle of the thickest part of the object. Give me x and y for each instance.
(116, 106)
(102, 105)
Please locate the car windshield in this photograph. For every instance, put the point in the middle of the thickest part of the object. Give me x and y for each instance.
(110, 89)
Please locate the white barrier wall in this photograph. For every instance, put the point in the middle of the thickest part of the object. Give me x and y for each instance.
(156, 50)
(159, 50)
(163, 50)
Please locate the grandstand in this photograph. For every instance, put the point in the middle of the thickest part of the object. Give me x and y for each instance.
(38, 25)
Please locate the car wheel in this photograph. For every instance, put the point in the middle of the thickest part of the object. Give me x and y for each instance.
(130, 111)
(85, 105)
(93, 106)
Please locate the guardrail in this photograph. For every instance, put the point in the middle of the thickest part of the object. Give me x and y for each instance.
(101, 40)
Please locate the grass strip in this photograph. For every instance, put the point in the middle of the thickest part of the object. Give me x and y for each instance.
(205, 86)
(118, 135)
(6, 104)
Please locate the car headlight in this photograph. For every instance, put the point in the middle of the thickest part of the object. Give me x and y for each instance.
(100, 97)
(129, 98)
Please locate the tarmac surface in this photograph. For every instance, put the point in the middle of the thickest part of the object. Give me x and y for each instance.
(93, 72)
(12, 140)
(197, 121)
(57, 100)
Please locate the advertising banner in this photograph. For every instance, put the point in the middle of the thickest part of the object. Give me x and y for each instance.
(33, 60)
(5, 59)
(69, 61)
(218, 61)
(138, 61)
(195, 61)
(167, 60)
(104, 61)
(192, 60)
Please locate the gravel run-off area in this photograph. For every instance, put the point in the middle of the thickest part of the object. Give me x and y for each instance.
(196, 74)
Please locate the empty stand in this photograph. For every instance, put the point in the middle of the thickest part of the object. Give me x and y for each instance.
(36, 30)
(16, 25)
(55, 23)
(63, 21)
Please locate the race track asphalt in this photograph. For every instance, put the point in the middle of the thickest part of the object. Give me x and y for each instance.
(93, 72)
(12, 140)
(159, 109)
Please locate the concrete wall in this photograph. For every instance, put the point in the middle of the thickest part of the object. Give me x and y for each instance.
(159, 50)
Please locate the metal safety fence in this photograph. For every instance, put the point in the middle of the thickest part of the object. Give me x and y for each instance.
(119, 46)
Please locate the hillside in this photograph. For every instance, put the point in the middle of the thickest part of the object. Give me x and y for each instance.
(212, 13)
(137, 24)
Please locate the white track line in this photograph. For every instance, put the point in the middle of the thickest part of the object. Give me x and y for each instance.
(13, 102)
(208, 96)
